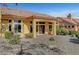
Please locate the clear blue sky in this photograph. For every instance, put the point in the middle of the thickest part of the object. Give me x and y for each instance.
(53, 9)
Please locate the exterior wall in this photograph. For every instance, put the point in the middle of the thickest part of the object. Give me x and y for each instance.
(66, 26)
(78, 27)
(4, 24)
(26, 25)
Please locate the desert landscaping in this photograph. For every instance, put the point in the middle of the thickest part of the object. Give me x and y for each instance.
(42, 45)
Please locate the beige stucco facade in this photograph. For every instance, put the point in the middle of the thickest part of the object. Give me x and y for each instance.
(25, 26)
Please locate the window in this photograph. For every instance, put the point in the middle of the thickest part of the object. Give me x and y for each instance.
(65, 26)
(72, 26)
(16, 24)
(10, 29)
(19, 28)
(31, 29)
(36, 22)
(10, 25)
(50, 23)
(68, 26)
(10, 21)
(19, 21)
(50, 27)
(31, 22)
(41, 22)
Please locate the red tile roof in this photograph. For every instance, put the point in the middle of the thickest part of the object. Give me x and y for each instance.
(76, 20)
(25, 13)
(71, 21)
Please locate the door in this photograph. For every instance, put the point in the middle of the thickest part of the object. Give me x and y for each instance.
(41, 29)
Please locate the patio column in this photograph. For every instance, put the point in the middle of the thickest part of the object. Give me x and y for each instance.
(46, 28)
(13, 26)
(54, 28)
(34, 28)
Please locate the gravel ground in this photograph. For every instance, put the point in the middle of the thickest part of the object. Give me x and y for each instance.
(68, 47)
(41, 46)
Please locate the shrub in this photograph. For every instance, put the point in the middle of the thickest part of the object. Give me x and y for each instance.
(58, 31)
(71, 32)
(62, 31)
(52, 39)
(29, 35)
(8, 35)
(77, 34)
(15, 40)
(12, 39)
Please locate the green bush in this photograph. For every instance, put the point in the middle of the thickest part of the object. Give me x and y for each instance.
(77, 34)
(71, 32)
(8, 35)
(58, 31)
(62, 31)
(12, 39)
(15, 40)
(29, 35)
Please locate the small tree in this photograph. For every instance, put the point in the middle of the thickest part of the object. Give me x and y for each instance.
(69, 15)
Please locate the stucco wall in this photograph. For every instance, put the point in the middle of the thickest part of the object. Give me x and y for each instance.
(26, 27)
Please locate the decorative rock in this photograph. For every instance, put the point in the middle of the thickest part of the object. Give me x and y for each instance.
(42, 45)
(51, 47)
(32, 46)
(52, 39)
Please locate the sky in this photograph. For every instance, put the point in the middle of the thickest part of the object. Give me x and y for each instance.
(53, 9)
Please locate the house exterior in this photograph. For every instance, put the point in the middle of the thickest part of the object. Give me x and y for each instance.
(23, 22)
(68, 23)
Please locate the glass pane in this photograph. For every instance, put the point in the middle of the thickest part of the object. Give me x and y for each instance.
(16, 28)
(31, 29)
(19, 21)
(36, 28)
(10, 21)
(50, 27)
(31, 22)
(10, 28)
(50, 23)
(36, 22)
(19, 28)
